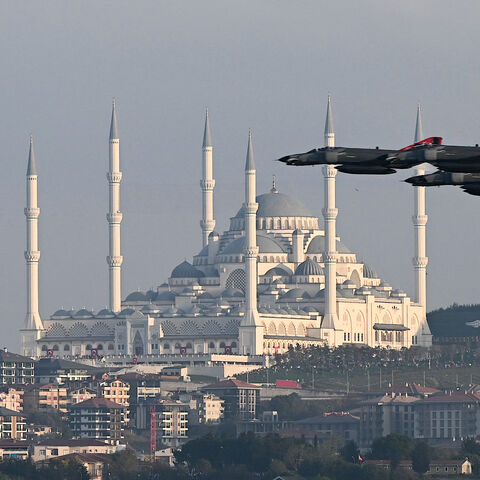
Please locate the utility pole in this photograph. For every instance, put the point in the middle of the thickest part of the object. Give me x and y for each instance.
(313, 378)
(348, 384)
(368, 380)
(392, 377)
(424, 377)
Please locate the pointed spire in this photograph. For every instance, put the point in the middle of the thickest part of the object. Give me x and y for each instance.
(250, 164)
(418, 127)
(329, 119)
(207, 138)
(31, 168)
(113, 123)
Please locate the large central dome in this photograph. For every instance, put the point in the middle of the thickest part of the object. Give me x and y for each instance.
(275, 204)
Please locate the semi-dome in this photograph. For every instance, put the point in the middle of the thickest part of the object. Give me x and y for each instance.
(83, 313)
(274, 204)
(186, 270)
(369, 272)
(264, 244)
(317, 245)
(279, 271)
(294, 293)
(105, 313)
(136, 297)
(309, 267)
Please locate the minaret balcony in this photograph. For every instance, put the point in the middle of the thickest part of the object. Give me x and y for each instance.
(114, 217)
(32, 255)
(420, 220)
(329, 171)
(114, 177)
(420, 262)
(114, 260)
(32, 212)
(330, 213)
(207, 184)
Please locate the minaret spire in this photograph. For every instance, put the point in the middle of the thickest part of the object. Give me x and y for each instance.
(330, 214)
(207, 183)
(33, 322)
(420, 260)
(418, 126)
(250, 331)
(114, 217)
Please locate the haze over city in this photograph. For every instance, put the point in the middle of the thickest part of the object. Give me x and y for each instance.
(262, 65)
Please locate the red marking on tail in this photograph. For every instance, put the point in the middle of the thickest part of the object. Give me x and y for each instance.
(426, 141)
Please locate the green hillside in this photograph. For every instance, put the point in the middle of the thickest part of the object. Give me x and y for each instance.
(451, 321)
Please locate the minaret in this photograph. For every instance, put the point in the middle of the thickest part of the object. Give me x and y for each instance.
(420, 260)
(207, 183)
(33, 322)
(114, 218)
(250, 331)
(330, 214)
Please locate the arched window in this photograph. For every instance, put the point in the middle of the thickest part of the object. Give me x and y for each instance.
(44, 348)
(66, 348)
(211, 345)
(100, 346)
(89, 347)
(177, 345)
(55, 348)
(222, 344)
(189, 345)
(166, 346)
(234, 345)
(110, 346)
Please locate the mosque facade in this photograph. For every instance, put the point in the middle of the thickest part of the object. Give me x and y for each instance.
(277, 278)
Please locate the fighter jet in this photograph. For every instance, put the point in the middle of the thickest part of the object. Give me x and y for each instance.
(469, 182)
(449, 158)
(364, 161)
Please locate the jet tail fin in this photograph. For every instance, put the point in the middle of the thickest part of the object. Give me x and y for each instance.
(425, 141)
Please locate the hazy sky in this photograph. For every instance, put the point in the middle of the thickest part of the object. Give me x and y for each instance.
(264, 64)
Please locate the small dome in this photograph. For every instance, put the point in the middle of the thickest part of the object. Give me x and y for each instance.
(206, 296)
(213, 234)
(264, 244)
(398, 293)
(309, 267)
(384, 286)
(171, 311)
(369, 272)
(363, 291)
(348, 284)
(136, 297)
(150, 308)
(105, 313)
(83, 313)
(232, 292)
(186, 270)
(309, 308)
(297, 232)
(278, 271)
(317, 245)
(151, 295)
(61, 313)
(166, 297)
(294, 293)
(126, 312)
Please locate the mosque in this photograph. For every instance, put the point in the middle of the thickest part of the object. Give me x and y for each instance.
(276, 278)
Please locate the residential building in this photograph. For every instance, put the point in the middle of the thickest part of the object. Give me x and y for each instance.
(94, 463)
(204, 407)
(342, 425)
(98, 418)
(115, 390)
(439, 468)
(240, 398)
(12, 424)
(18, 449)
(61, 371)
(15, 369)
(171, 423)
(81, 394)
(11, 397)
(44, 397)
(34, 432)
(59, 447)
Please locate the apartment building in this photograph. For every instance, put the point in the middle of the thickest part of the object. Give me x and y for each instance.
(11, 397)
(171, 423)
(44, 397)
(15, 369)
(12, 424)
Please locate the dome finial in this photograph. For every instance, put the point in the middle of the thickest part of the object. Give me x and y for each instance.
(274, 184)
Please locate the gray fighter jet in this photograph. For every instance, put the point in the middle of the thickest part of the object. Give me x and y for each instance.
(469, 182)
(368, 161)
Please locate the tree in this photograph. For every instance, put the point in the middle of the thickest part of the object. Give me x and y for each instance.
(350, 452)
(421, 458)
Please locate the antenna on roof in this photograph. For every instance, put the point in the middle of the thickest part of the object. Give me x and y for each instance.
(274, 185)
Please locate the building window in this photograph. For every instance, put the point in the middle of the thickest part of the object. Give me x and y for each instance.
(66, 348)
(55, 348)
(100, 346)
(166, 346)
(89, 347)
(110, 346)
(44, 348)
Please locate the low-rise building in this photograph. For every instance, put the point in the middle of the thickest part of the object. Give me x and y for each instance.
(342, 425)
(60, 371)
(35, 431)
(438, 468)
(16, 369)
(115, 390)
(94, 463)
(12, 424)
(11, 397)
(44, 397)
(240, 398)
(54, 448)
(98, 418)
(81, 394)
(18, 449)
(204, 407)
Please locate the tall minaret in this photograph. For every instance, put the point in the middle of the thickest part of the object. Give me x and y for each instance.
(420, 260)
(250, 331)
(207, 183)
(330, 215)
(114, 218)
(33, 322)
